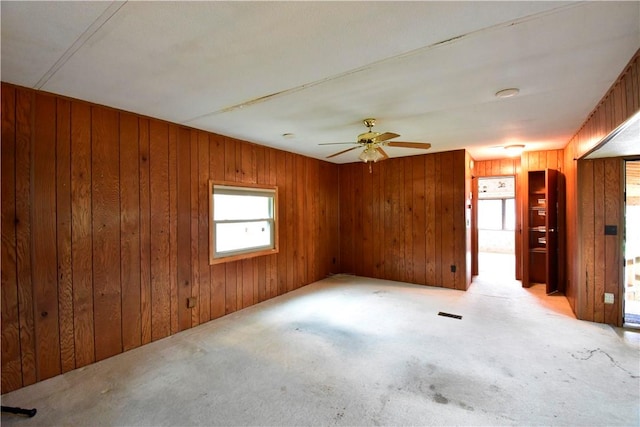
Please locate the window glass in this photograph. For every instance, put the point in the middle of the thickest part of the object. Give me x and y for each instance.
(490, 214)
(509, 214)
(243, 222)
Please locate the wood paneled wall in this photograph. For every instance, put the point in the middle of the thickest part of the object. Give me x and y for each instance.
(594, 192)
(406, 219)
(105, 231)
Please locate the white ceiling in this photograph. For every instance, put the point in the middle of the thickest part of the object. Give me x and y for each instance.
(258, 70)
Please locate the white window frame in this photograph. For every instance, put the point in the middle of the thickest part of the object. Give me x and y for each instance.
(236, 188)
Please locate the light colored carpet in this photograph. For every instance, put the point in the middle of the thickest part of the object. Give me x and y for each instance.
(357, 351)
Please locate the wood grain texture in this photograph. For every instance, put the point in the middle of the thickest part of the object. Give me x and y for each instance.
(613, 207)
(409, 199)
(105, 200)
(11, 363)
(216, 172)
(63, 231)
(159, 242)
(183, 227)
(43, 214)
(204, 295)
(25, 117)
(81, 242)
(173, 228)
(585, 208)
(130, 231)
(195, 227)
(145, 230)
(125, 234)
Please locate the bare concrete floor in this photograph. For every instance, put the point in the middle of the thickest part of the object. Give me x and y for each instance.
(357, 351)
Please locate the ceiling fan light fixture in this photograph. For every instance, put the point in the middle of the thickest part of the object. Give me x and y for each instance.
(370, 154)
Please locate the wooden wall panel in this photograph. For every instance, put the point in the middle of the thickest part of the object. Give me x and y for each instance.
(63, 228)
(145, 231)
(11, 364)
(81, 246)
(115, 207)
(160, 223)
(105, 201)
(130, 232)
(44, 250)
(594, 197)
(407, 202)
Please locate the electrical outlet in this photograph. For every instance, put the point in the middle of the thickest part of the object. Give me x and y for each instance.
(608, 298)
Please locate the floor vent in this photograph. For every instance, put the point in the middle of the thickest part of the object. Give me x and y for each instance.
(454, 316)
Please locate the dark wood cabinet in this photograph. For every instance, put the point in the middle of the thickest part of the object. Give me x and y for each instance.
(541, 224)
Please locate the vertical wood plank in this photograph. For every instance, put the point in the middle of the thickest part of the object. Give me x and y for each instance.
(81, 242)
(43, 221)
(130, 231)
(599, 240)
(612, 212)
(432, 189)
(63, 227)
(159, 243)
(218, 273)
(459, 230)
(586, 175)
(145, 230)
(247, 282)
(418, 249)
(447, 222)
(11, 362)
(173, 228)
(204, 299)
(105, 199)
(230, 292)
(407, 205)
(300, 223)
(184, 226)
(290, 221)
(281, 174)
(195, 227)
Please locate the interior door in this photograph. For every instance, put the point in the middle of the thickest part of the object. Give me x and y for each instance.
(551, 225)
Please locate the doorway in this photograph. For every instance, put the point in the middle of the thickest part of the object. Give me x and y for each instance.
(496, 227)
(632, 244)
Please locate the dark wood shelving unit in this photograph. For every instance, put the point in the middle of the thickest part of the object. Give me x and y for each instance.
(541, 238)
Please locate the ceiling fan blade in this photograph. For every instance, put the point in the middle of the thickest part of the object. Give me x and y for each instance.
(421, 145)
(385, 156)
(342, 152)
(385, 136)
(337, 143)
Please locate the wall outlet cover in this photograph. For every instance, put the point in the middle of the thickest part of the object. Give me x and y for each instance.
(608, 298)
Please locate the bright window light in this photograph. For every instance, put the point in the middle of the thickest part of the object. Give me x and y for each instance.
(243, 222)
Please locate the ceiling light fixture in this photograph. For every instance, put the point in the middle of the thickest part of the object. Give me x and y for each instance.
(507, 93)
(514, 150)
(370, 154)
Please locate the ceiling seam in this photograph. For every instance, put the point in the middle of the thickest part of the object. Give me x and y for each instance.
(95, 26)
(365, 67)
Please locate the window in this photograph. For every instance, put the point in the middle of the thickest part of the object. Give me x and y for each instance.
(243, 221)
(496, 204)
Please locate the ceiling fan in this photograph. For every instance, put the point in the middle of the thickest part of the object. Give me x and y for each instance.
(373, 143)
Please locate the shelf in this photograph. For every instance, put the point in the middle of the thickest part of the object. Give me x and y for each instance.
(538, 208)
(538, 250)
(538, 229)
